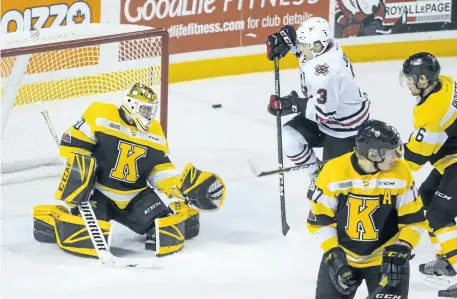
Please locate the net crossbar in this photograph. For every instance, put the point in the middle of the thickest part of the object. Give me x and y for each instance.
(64, 69)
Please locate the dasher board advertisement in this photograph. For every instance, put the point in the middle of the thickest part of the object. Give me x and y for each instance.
(198, 25)
(383, 17)
(36, 14)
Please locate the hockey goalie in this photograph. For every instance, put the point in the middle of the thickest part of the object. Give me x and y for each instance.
(117, 159)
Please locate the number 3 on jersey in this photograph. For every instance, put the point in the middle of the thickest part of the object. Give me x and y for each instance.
(126, 168)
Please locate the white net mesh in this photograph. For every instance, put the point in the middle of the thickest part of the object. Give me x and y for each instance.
(64, 82)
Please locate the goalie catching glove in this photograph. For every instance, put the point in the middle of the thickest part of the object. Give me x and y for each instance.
(204, 191)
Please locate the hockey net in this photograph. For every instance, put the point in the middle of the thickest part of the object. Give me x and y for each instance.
(63, 70)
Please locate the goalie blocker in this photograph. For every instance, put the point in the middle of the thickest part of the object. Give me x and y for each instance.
(145, 214)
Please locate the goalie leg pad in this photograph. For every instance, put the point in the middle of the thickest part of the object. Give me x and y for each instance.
(78, 179)
(192, 222)
(70, 232)
(142, 210)
(169, 233)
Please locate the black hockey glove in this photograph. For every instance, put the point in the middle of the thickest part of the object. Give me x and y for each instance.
(279, 44)
(339, 271)
(287, 105)
(395, 263)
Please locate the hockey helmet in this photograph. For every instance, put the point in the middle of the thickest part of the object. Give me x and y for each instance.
(420, 64)
(377, 141)
(140, 104)
(314, 31)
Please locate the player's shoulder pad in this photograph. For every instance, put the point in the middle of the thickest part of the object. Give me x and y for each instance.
(337, 167)
(403, 171)
(156, 129)
(100, 109)
(443, 99)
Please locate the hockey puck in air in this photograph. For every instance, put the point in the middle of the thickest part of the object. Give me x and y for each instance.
(217, 105)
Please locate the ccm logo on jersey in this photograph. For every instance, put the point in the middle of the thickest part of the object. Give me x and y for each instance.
(388, 296)
(442, 195)
(387, 183)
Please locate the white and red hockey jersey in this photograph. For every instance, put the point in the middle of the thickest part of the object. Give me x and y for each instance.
(336, 102)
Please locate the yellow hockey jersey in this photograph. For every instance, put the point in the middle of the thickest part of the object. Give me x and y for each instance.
(127, 159)
(363, 213)
(435, 123)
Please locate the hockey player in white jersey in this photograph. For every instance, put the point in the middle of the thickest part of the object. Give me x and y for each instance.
(332, 107)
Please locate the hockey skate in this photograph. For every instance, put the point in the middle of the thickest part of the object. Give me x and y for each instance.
(438, 271)
(450, 292)
(313, 174)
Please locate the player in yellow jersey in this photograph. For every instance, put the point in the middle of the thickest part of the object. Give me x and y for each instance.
(117, 158)
(367, 217)
(434, 140)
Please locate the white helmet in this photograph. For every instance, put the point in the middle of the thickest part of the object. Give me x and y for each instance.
(140, 104)
(314, 30)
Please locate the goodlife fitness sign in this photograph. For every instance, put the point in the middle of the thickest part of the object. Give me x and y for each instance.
(197, 25)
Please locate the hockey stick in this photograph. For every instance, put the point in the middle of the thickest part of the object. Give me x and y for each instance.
(261, 173)
(94, 230)
(282, 197)
(379, 288)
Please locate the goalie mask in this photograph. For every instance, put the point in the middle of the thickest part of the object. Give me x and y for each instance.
(140, 104)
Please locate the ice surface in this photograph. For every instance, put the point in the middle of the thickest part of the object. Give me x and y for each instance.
(240, 252)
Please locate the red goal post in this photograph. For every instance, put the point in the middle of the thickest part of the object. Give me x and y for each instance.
(64, 69)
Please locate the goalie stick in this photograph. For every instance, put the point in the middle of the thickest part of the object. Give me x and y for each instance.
(282, 196)
(95, 233)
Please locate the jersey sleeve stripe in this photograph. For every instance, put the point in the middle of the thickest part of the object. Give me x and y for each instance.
(328, 201)
(415, 157)
(411, 235)
(412, 218)
(325, 114)
(158, 176)
(321, 208)
(449, 117)
(360, 111)
(430, 137)
(329, 243)
(446, 234)
(451, 129)
(86, 129)
(406, 198)
(321, 220)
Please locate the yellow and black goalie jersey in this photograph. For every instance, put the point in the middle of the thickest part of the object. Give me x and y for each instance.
(127, 159)
(435, 123)
(364, 213)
